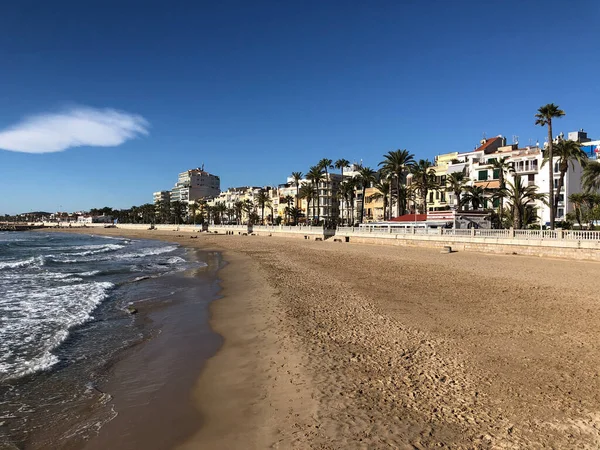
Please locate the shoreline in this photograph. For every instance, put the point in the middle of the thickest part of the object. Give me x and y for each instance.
(332, 346)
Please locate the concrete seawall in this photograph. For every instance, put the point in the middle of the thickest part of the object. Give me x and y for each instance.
(554, 248)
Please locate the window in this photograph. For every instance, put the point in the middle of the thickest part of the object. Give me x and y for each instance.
(496, 174)
(496, 202)
(443, 197)
(483, 175)
(491, 160)
(431, 197)
(556, 167)
(437, 195)
(556, 183)
(560, 212)
(561, 197)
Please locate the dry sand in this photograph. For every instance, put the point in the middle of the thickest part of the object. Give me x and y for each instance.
(331, 345)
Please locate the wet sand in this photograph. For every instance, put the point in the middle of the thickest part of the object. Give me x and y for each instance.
(330, 345)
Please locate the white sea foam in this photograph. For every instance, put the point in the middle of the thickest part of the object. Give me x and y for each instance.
(175, 260)
(41, 319)
(147, 252)
(37, 260)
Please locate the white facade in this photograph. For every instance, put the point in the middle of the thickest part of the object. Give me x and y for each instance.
(195, 184)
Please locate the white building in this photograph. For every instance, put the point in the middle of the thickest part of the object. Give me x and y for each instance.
(195, 184)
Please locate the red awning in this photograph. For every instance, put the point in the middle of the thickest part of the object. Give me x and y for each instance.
(410, 218)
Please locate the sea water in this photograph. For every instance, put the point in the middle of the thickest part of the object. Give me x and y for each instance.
(63, 300)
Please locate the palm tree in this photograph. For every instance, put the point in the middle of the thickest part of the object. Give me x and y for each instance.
(366, 176)
(476, 196)
(567, 152)
(579, 201)
(307, 193)
(326, 164)
(315, 176)
(177, 211)
(397, 163)
(230, 215)
(383, 187)
(346, 194)
(238, 207)
(591, 176)
(544, 118)
(193, 207)
(248, 208)
(341, 164)
(297, 176)
(423, 181)
(288, 200)
(520, 199)
(262, 199)
(503, 167)
(456, 182)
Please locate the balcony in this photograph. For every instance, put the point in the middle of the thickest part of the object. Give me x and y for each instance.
(525, 167)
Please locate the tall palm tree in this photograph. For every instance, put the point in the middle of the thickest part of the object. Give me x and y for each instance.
(591, 176)
(297, 176)
(262, 199)
(326, 164)
(503, 167)
(568, 153)
(579, 200)
(288, 200)
(383, 187)
(544, 118)
(230, 215)
(521, 198)
(366, 176)
(398, 163)
(307, 193)
(315, 176)
(346, 195)
(341, 164)
(456, 182)
(423, 181)
(193, 207)
(248, 208)
(238, 206)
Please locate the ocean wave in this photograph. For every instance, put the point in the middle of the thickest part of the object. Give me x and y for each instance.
(175, 260)
(90, 273)
(96, 249)
(40, 321)
(34, 260)
(147, 252)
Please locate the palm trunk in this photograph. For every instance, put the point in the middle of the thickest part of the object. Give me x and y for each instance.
(551, 174)
(362, 205)
(561, 181)
(517, 218)
(397, 195)
(384, 206)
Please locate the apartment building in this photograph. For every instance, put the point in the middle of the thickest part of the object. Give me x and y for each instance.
(195, 184)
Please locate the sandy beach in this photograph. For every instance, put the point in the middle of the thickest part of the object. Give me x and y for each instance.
(330, 345)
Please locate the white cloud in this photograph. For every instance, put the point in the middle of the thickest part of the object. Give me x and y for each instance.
(75, 127)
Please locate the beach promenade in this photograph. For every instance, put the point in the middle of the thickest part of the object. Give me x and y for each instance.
(333, 346)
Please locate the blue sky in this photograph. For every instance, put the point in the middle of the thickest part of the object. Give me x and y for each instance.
(256, 90)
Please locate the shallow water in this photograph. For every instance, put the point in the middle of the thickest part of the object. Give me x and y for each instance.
(63, 323)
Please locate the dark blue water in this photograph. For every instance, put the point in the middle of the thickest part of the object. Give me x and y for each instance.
(50, 283)
(63, 300)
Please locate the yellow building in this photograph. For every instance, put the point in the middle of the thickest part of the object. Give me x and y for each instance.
(438, 200)
(373, 206)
